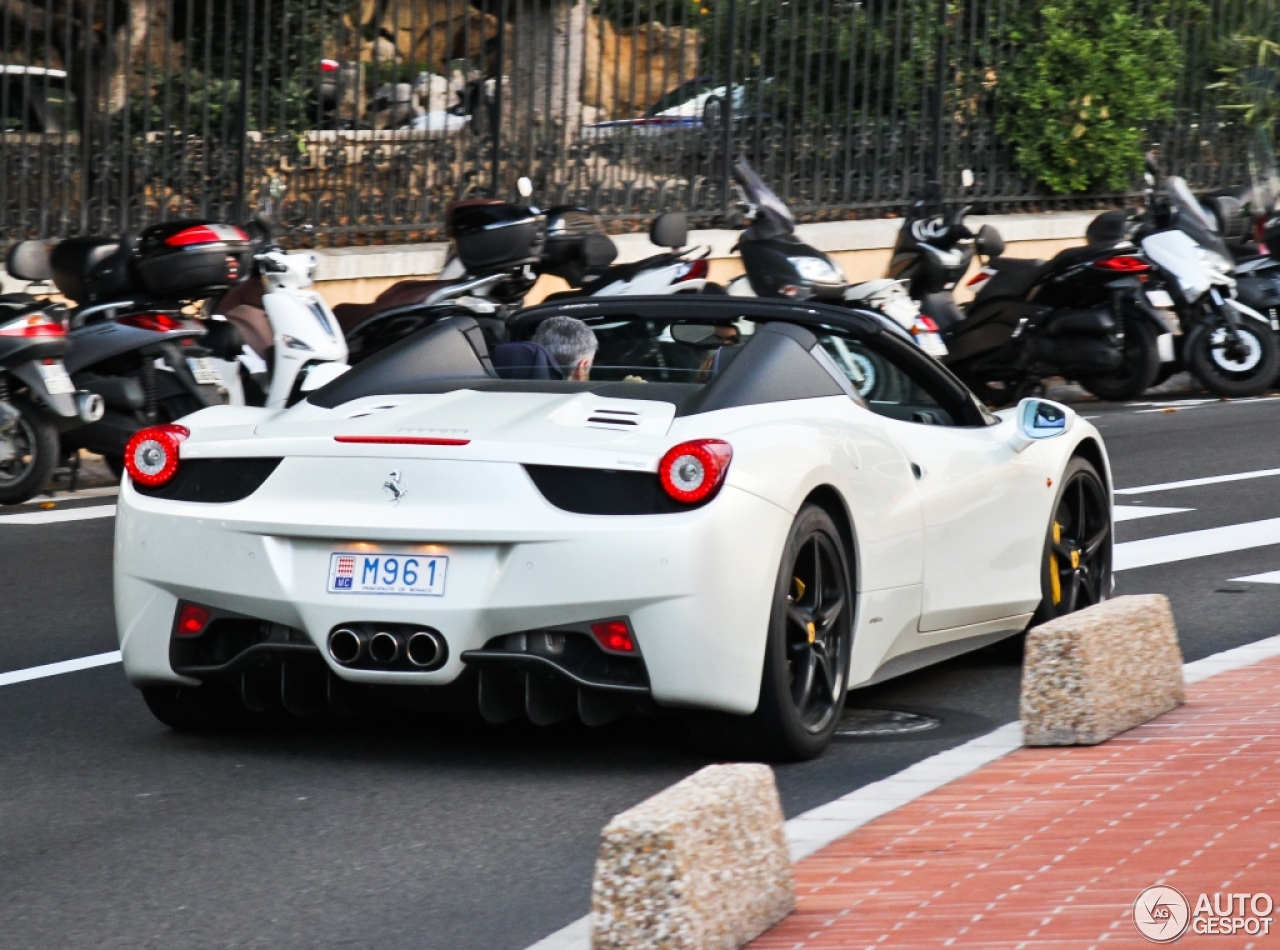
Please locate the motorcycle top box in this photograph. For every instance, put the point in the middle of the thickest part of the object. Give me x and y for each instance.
(493, 235)
(89, 269)
(188, 259)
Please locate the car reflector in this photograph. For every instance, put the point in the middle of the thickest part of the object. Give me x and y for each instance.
(192, 619)
(614, 636)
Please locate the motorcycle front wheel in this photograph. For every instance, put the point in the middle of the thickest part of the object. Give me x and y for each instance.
(1233, 368)
(29, 453)
(1136, 374)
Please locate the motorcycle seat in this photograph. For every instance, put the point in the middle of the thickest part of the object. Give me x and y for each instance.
(403, 293)
(1014, 276)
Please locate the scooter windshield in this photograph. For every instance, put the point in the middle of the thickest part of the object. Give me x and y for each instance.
(760, 195)
(1192, 220)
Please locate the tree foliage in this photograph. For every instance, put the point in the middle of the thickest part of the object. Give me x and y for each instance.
(1089, 77)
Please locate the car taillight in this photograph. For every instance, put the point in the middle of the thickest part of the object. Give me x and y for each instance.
(155, 322)
(1123, 264)
(192, 619)
(33, 325)
(694, 270)
(694, 471)
(205, 234)
(614, 636)
(151, 457)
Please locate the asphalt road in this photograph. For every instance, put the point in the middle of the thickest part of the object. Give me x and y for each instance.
(116, 832)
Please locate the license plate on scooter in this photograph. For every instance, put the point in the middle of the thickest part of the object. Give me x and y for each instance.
(55, 377)
(204, 371)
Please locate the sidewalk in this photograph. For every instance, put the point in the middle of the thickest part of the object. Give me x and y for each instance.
(1047, 849)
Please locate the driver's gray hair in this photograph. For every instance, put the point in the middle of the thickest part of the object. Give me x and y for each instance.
(568, 339)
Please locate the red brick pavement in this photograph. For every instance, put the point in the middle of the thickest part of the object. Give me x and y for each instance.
(1047, 849)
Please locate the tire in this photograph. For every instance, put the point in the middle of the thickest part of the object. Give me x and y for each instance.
(30, 451)
(206, 708)
(1212, 364)
(1088, 581)
(1139, 371)
(806, 662)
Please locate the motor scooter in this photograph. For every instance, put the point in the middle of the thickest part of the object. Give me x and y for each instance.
(38, 400)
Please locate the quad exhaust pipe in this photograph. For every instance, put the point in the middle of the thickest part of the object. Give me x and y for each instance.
(424, 649)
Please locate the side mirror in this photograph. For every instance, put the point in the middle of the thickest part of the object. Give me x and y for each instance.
(1038, 419)
(712, 111)
(988, 243)
(670, 230)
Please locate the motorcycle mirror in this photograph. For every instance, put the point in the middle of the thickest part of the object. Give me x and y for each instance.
(670, 229)
(524, 186)
(1040, 419)
(966, 178)
(989, 243)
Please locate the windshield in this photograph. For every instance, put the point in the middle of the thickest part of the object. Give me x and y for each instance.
(1191, 219)
(762, 196)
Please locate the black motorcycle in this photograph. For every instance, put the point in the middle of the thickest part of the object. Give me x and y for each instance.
(1081, 315)
(129, 341)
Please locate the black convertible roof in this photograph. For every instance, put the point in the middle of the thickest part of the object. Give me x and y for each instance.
(776, 365)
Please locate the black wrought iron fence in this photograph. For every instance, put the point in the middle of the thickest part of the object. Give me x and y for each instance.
(366, 118)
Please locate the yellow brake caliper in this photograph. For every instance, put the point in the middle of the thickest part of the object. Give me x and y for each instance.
(811, 629)
(1055, 583)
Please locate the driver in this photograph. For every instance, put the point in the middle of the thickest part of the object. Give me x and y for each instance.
(571, 343)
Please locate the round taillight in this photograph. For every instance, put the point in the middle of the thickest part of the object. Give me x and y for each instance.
(151, 457)
(694, 471)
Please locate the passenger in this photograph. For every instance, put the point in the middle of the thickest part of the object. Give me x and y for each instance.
(572, 344)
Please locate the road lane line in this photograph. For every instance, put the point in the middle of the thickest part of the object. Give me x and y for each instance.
(1271, 577)
(815, 829)
(1193, 482)
(1134, 512)
(66, 514)
(56, 669)
(74, 495)
(1193, 544)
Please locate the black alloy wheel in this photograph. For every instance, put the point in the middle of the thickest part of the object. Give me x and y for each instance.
(806, 663)
(1077, 559)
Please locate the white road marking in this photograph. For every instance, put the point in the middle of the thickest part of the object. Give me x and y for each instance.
(56, 669)
(1271, 577)
(1134, 512)
(73, 495)
(64, 514)
(1193, 544)
(1194, 482)
(821, 826)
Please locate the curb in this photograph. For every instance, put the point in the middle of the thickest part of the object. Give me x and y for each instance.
(815, 829)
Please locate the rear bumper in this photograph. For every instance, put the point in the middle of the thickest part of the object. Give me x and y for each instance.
(696, 586)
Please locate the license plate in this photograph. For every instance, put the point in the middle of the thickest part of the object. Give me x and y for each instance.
(351, 573)
(1159, 298)
(203, 370)
(56, 379)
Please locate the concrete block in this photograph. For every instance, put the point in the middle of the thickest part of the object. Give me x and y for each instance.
(701, 866)
(1095, 673)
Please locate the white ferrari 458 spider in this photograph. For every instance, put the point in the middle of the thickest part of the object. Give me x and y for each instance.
(749, 507)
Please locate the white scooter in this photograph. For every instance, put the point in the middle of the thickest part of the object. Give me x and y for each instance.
(286, 323)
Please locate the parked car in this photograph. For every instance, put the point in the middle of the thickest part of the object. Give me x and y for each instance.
(715, 525)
